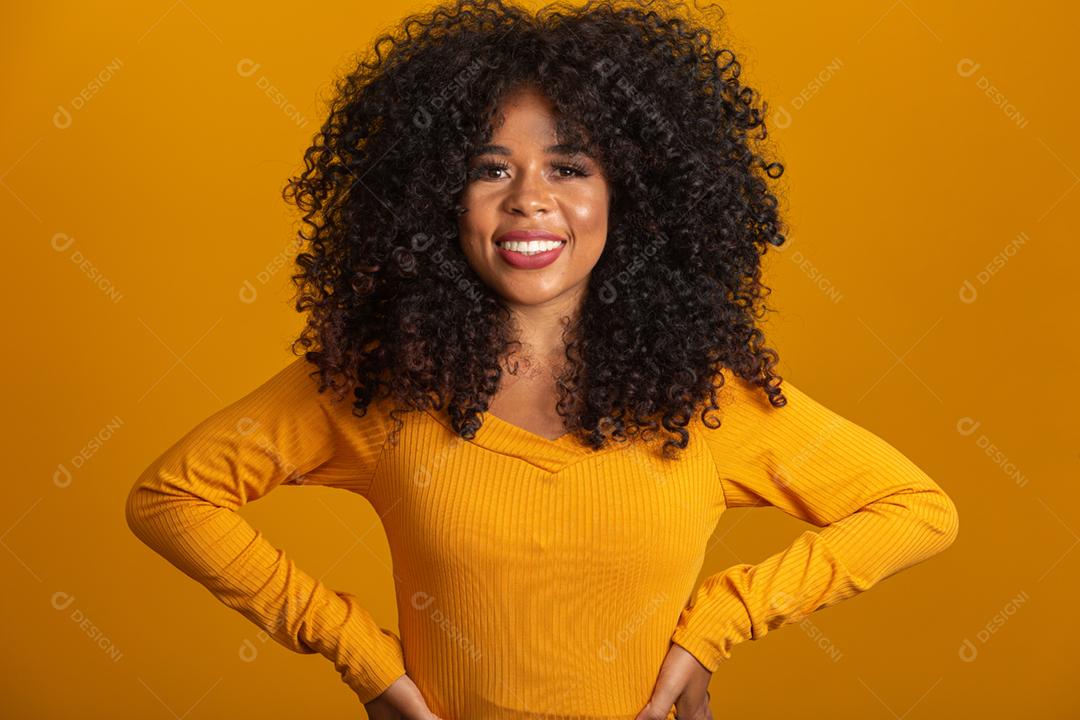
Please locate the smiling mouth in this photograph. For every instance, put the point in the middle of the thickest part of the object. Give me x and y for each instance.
(530, 247)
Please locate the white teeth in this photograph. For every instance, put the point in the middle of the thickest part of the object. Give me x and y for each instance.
(530, 247)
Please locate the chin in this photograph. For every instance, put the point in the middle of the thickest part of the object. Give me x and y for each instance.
(526, 290)
(518, 296)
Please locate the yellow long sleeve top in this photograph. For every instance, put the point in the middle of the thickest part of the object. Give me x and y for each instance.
(534, 577)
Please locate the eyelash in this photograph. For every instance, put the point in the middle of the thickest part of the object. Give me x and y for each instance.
(479, 170)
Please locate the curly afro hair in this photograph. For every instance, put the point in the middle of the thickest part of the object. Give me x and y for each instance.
(395, 309)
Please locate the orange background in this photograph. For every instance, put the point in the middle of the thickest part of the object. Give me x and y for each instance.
(931, 170)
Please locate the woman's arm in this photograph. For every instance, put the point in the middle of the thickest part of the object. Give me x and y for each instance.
(284, 432)
(880, 514)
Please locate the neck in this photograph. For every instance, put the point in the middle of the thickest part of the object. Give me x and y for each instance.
(540, 327)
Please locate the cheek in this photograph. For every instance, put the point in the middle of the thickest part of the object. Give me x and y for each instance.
(478, 212)
(588, 213)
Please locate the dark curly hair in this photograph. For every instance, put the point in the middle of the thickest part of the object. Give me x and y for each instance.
(395, 309)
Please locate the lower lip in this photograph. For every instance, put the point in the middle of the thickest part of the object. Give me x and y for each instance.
(530, 262)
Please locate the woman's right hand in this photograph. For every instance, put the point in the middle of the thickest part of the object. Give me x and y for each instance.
(401, 701)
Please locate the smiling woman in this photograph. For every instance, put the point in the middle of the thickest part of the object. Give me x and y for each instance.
(589, 203)
(619, 128)
(533, 225)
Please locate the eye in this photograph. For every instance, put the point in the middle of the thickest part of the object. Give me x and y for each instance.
(573, 166)
(481, 171)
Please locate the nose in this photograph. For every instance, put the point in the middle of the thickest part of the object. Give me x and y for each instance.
(527, 194)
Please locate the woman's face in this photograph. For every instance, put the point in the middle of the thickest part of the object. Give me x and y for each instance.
(519, 182)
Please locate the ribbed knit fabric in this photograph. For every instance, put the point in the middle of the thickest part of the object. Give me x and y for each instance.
(534, 577)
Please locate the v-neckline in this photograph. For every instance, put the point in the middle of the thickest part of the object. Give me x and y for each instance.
(506, 438)
(488, 415)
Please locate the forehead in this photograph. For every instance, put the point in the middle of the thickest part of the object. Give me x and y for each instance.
(525, 115)
(526, 120)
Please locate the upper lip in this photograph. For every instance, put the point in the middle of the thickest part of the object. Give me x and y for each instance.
(529, 234)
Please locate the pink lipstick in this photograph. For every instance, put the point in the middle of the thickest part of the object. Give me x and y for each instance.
(523, 259)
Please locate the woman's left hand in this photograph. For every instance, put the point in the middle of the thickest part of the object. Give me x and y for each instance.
(682, 682)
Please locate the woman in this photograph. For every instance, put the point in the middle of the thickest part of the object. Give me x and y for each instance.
(534, 252)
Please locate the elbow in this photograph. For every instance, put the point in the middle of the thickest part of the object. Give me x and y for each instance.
(133, 509)
(930, 516)
(939, 517)
(139, 506)
(951, 521)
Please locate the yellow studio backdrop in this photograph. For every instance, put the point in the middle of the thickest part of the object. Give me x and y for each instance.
(927, 291)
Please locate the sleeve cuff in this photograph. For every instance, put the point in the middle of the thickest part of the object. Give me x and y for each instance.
(385, 666)
(700, 648)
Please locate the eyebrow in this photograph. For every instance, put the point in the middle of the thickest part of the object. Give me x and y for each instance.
(559, 149)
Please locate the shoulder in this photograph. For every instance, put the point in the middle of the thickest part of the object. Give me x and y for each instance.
(298, 387)
(746, 413)
(357, 440)
(743, 397)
